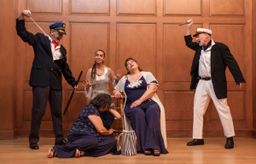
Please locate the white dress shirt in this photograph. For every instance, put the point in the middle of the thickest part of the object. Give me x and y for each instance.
(56, 54)
(205, 62)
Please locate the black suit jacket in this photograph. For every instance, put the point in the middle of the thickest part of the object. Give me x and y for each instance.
(220, 59)
(45, 71)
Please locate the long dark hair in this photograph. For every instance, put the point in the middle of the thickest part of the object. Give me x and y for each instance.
(126, 61)
(102, 100)
(93, 73)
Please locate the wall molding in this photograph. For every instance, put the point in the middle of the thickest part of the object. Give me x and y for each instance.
(6, 134)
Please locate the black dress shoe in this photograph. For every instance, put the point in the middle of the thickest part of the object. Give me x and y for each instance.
(62, 141)
(195, 142)
(229, 143)
(34, 146)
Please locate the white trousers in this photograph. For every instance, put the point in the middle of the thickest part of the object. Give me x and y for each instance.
(204, 92)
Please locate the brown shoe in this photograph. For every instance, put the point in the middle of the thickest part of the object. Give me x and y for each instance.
(156, 152)
(147, 152)
(195, 142)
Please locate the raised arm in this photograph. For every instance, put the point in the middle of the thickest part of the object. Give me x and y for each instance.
(188, 25)
(188, 38)
(21, 29)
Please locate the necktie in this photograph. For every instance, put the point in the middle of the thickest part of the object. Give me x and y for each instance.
(55, 43)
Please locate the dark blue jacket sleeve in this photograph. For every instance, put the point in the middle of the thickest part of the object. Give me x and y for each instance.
(23, 33)
(190, 43)
(232, 65)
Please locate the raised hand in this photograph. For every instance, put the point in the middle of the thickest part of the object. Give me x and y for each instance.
(189, 23)
(117, 94)
(26, 13)
(86, 84)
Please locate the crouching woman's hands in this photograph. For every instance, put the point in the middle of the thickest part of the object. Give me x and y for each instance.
(98, 124)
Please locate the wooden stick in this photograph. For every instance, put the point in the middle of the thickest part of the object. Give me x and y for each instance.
(66, 109)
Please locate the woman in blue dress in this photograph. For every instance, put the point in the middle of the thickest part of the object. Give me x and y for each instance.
(144, 112)
(91, 133)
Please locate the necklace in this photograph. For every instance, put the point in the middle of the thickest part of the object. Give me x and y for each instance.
(100, 72)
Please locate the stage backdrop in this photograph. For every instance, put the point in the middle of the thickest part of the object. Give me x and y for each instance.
(146, 30)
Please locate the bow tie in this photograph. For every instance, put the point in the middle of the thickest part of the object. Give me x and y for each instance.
(55, 43)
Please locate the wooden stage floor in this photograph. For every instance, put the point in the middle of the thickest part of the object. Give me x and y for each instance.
(16, 151)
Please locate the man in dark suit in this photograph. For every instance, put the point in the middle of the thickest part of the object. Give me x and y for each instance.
(49, 63)
(209, 81)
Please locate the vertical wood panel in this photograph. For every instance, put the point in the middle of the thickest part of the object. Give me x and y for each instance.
(138, 7)
(189, 7)
(232, 36)
(7, 66)
(90, 6)
(177, 111)
(86, 38)
(141, 45)
(45, 6)
(254, 66)
(227, 7)
(176, 55)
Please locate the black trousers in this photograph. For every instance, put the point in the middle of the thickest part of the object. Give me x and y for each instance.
(40, 97)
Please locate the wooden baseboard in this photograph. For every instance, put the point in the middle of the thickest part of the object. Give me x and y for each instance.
(43, 133)
(170, 133)
(6, 134)
(188, 133)
(254, 133)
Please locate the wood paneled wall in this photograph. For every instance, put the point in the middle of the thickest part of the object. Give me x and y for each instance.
(7, 67)
(254, 65)
(148, 31)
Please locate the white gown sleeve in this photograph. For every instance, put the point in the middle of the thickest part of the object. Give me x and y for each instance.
(120, 85)
(150, 78)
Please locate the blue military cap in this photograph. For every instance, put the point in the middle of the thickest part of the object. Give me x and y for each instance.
(59, 26)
